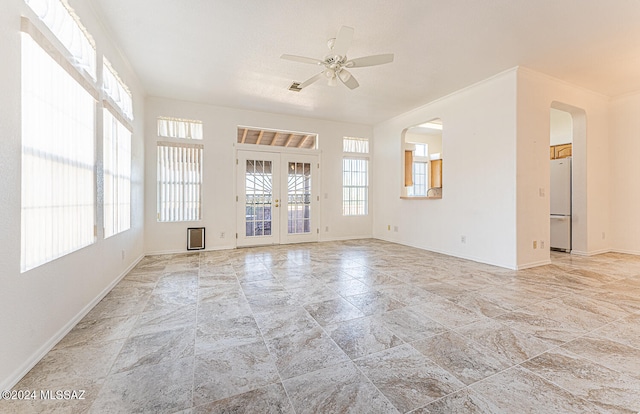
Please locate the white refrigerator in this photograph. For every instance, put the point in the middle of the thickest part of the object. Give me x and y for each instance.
(560, 197)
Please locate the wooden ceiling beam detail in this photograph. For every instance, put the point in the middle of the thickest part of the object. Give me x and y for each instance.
(301, 143)
(286, 144)
(286, 139)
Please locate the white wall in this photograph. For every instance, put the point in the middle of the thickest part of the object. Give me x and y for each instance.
(591, 178)
(625, 173)
(561, 127)
(219, 206)
(479, 176)
(38, 307)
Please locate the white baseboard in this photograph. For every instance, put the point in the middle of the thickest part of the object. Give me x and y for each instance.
(591, 253)
(329, 239)
(446, 253)
(624, 251)
(533, 264)
(31, 362)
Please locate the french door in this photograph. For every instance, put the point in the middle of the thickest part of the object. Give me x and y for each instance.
(277, 198)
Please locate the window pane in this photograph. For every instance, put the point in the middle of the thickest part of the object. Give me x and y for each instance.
(258, 197)
(299, 198)
(355, 186)
(117, 175)
(179, 128)
(116, 89)
(58, 196)
(67, 29)
(421, 150)
(179, 182)
(419, 187)
(360, 145)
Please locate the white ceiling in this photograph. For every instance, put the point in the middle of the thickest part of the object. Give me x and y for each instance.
(227, 52)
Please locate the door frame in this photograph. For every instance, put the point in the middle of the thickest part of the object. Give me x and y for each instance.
(315, 191)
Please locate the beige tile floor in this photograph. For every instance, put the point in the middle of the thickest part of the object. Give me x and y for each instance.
(357, 326)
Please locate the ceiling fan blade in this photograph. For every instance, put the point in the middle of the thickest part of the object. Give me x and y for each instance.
(343, 41)
(310, 80)
(370, 61)
(347, 78)
(301, 59)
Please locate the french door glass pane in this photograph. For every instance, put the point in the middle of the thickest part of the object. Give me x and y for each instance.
(299, 198)
(258, 196)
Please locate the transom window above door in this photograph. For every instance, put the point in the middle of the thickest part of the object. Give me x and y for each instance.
(285, 139)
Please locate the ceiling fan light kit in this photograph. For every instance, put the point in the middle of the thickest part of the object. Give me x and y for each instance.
(336, 62)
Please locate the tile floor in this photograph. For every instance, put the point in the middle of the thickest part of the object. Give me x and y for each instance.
(357, 326)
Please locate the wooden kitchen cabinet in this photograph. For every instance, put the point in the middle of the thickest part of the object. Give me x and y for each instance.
(563, 151)
(408, 168)
(435, 179)
(560, 151)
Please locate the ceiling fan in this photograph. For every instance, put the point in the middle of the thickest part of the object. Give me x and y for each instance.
(336, 62)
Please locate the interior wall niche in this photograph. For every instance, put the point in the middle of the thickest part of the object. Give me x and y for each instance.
(422, 161)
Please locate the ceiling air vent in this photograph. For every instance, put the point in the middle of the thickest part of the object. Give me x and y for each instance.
(295, 86)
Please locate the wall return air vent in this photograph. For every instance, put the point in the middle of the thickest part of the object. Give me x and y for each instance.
(195, 238)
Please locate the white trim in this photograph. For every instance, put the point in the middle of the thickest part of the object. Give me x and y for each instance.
(109, 105)
(356, 237)
(533, 264)
(624, 251)
(590, 253)
(22, 370)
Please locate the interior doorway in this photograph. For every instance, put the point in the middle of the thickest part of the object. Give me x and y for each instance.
(567, 187)
(561, 146)
(277, 198)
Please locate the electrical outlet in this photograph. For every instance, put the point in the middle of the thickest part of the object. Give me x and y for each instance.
(603, 235)
(535, 244)
(326, 229)
(542, 244)
(463, 239)
(541, 192)
(222, 234)
(395, 228)
(123, 254)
